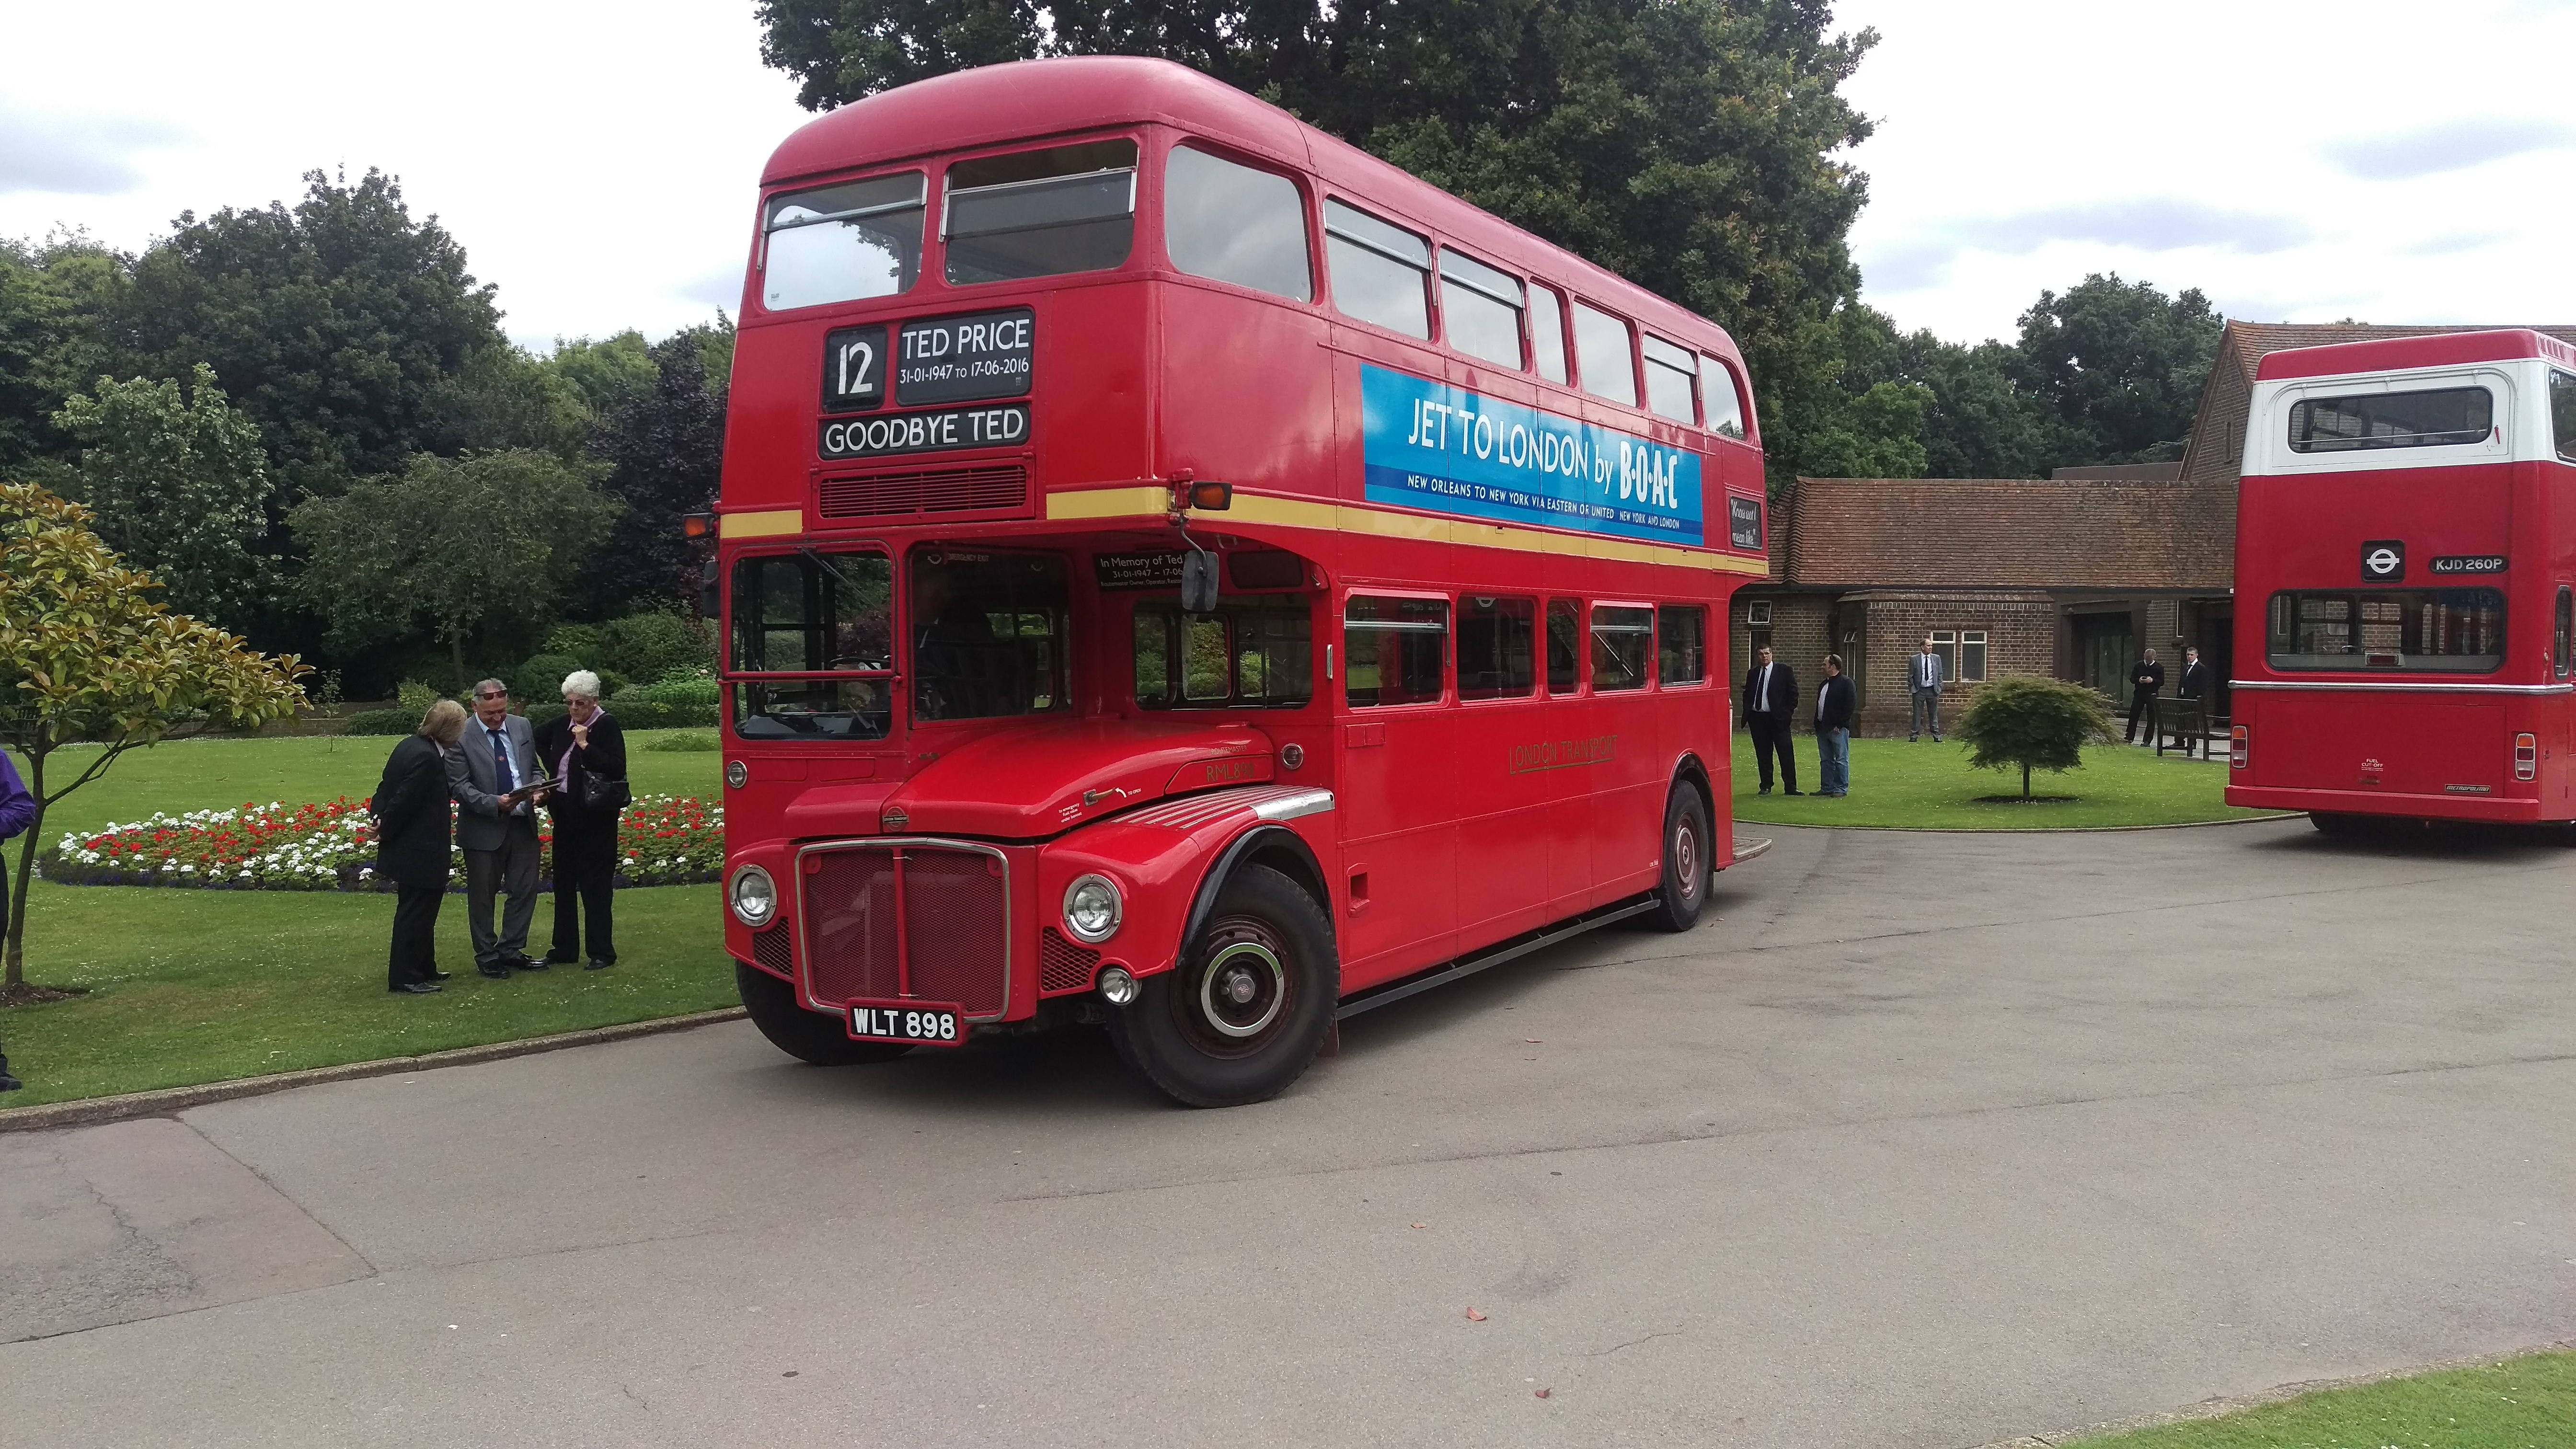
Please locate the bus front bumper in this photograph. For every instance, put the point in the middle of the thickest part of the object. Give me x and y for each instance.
(2497, 809)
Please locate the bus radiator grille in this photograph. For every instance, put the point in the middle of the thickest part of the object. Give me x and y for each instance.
(952, 946)
(1062, 965)
(933, 490)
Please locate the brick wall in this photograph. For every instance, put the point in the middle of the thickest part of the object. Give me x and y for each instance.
(2021, 638)
(1799, 625)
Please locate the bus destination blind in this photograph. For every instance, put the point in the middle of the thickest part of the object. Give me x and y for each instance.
(1431, 446)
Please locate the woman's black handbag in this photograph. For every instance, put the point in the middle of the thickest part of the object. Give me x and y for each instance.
(603, 796)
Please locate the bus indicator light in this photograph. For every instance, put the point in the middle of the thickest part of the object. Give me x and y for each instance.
(2237, 741)
(2526, 756)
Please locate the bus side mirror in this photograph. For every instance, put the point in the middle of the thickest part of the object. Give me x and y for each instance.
(710, 598)
(1198, 582)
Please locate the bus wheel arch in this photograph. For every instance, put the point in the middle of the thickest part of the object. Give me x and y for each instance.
(808, 1036)
(1251, 995)
(1686, 838)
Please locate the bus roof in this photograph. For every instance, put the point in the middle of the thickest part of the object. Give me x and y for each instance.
(2391, 354)
(1035, 98)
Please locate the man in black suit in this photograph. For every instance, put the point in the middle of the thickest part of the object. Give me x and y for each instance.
(1836, 703)
(2195, 676)
(1770, 697)
(2146, 678)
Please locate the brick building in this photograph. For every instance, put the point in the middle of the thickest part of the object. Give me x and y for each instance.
(2072, 576)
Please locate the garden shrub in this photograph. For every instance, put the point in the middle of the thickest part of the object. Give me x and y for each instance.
(2036, 724)
(687, 742)
(655, 645)
(543, 676)
(417, 697)
(384, 721)
(580, 642)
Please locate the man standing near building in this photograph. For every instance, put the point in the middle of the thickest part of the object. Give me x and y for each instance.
(1923, 682)
(1836, 703)
(1770, 697)
(492, 772)
(2195, 678)
(2146, 678)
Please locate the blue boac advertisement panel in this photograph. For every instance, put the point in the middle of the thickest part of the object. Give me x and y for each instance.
(1447, 450)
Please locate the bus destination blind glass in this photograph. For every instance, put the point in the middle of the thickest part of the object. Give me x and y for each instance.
(1430, 446)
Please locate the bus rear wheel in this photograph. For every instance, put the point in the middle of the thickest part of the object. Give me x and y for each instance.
(1686, 861)
(1244, 1013)
(2339, 825)
(808, 1036)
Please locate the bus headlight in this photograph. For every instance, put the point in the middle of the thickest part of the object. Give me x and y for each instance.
(1092, 909)
(754, 896)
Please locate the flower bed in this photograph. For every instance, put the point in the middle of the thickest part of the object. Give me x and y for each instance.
(662, 840)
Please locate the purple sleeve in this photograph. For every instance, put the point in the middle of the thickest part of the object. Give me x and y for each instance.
(17, 807)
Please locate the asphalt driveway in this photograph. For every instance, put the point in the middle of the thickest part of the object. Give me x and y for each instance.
(1929, 1140)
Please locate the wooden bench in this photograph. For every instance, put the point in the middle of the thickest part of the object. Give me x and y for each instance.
(2188, 726)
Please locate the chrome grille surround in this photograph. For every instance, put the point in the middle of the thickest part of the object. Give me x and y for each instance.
(885, 938)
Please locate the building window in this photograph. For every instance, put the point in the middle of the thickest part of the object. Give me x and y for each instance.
(1972, 656)
(1945, 646)
(1758, 615)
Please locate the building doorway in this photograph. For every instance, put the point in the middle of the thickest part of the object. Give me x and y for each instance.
(2105, 647)
(2218, 653)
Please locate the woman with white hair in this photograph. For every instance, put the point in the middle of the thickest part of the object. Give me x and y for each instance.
(415, 842)
(586, 749)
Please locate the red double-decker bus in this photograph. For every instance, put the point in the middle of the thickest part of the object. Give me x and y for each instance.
(1181, 572)
(2405, 555)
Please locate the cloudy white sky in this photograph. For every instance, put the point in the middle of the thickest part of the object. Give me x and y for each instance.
(2296, 161)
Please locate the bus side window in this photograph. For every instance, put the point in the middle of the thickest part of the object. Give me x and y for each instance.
(1681, 636)
(1235, 224)
(1623, 643)
(2562, 414)
(2566, 635)
(1380, 272)
(1496, 647)
(1725, 402)
(1606, 354)
(1481, 309)
(1398, 650)
(1672, 381)
(1564, 645)
(1547, 331)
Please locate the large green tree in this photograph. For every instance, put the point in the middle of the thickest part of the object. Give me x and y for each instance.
(665, 452)
(451, 545)
(1691, 145)
(2119, 365)
(176, 480)
(55, 301)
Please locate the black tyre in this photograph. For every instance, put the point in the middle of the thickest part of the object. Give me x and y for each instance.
(2338, 825)
(1246, 1010)
(1687, 866)
(805, 1035)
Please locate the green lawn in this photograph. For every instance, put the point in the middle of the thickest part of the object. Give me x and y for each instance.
(2524, 1403)
(1927, 786)
(188, 986)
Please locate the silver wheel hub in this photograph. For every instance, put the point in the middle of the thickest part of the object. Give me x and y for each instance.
(1243, 973)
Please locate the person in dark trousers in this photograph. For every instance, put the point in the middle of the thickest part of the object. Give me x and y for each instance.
(494, 776)
(1770, 698)
(1836, 703)
(17, 812)
(2195, 677)
(1923, 677)
(2146, 679)
(586, 750)
(415, 841)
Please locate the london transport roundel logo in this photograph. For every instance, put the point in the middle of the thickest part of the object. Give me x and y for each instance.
(2383, 560)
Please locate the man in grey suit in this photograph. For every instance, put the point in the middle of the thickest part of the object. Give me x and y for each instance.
(1923, 678)
(493, 774)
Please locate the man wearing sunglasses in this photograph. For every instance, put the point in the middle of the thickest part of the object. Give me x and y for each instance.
(494, 775)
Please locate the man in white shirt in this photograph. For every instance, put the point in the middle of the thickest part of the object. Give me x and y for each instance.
(1923, 676)
(1770, 698)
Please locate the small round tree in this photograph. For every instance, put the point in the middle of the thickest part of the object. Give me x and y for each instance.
(2041, 724)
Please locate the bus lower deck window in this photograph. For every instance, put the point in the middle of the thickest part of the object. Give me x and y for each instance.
(1497, 647)
(1623, 646)
(1681, 640)
(842, 243)
(2455, 631)
(1564, 646)
(1249, 654)
(1041, 213)
(1398, 650)
(1235, 224)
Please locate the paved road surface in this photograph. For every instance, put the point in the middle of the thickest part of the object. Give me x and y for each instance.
(1931, 1140)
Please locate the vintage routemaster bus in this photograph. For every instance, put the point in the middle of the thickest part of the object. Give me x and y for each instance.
(1181, 572)
(2405, 555)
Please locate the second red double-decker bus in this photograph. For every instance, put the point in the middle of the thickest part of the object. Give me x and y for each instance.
(1182, 572)
(2406, 566)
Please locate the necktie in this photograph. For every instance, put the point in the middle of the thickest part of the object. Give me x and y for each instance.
(501, 770)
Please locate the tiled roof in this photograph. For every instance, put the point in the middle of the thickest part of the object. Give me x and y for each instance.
(2007, 533)
(2217, 449)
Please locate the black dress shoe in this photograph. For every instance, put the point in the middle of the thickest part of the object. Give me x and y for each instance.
(598, 965)
(496, 972)
(561, 958)
(436, 975)
(417, 988)
(524, 964)
(1788, 792)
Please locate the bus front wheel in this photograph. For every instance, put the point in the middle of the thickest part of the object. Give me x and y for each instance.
(1686, 861)
(1244, 1013)
(808, 1036)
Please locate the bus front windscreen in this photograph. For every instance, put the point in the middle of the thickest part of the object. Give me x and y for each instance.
(988, 634)
(812, 650)
(2456, 631)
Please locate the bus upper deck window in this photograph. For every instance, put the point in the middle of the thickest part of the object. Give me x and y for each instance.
(1040, 213)
(1547, 332)
(1235, 224)
(1725, 406)
(2562, 414)
(1672, 380)
(1481, 307)
(1379, 271)
(843, 243)
(2437, 417)
(1608, 359)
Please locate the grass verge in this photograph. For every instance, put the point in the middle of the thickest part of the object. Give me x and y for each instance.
(1901, 786)
(2522, 1403)
(183, 987)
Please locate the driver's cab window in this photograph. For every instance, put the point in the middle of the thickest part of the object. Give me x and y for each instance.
(812, 650)
(987, 632)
